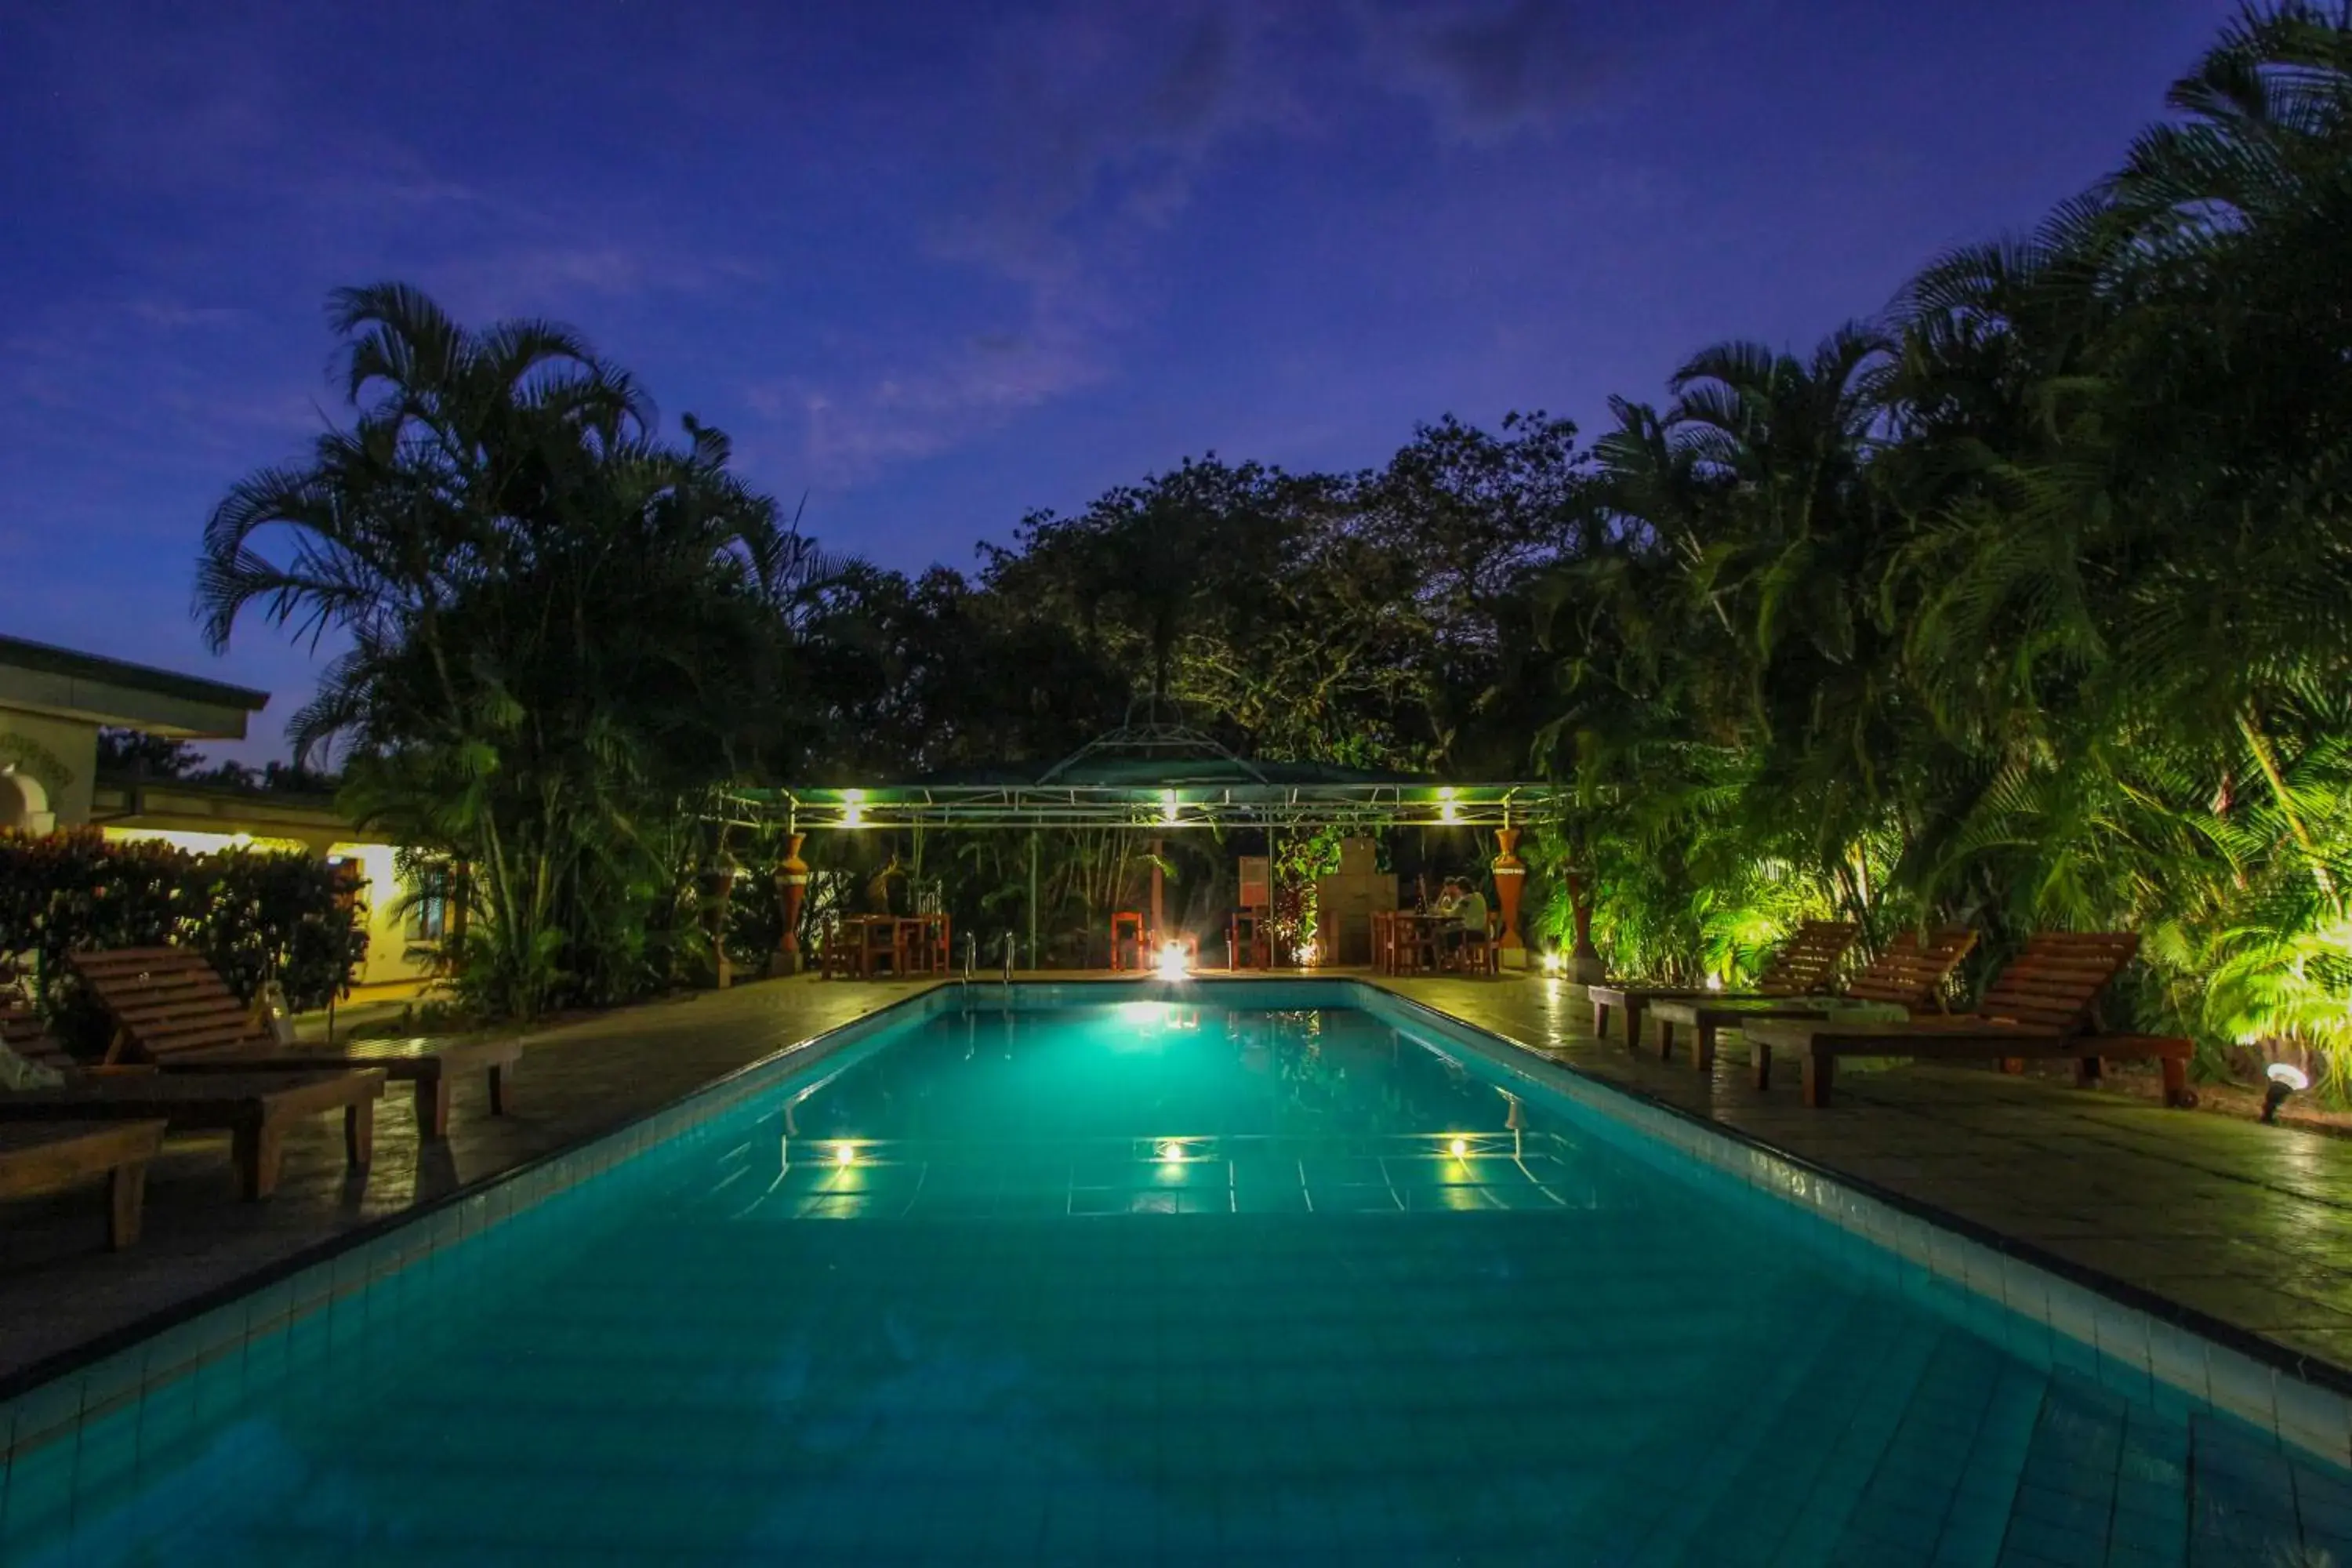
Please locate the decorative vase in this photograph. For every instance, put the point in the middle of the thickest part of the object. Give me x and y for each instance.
(1510, 875)
(792, 890)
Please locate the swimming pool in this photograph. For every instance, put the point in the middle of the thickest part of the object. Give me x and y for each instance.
(1261, 1272)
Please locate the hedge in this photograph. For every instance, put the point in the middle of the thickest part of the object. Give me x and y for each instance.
(254, 913)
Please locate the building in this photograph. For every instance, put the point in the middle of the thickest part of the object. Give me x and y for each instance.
(53, 703)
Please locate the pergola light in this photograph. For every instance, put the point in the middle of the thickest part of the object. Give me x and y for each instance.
(1168, 805)
(1447, 812)
(1172, 965)
(852, 808)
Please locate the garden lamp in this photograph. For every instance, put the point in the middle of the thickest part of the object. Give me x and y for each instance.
(2285, 1080)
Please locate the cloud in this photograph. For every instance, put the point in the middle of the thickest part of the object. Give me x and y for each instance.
(1490, 68)
(172, 316)
(525, 278)
(1088, 134)
(854, 427)
(1091, 129)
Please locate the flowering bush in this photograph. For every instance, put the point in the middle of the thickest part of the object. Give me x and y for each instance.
(256, 914)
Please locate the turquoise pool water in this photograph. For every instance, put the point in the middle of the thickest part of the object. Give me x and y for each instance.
(1161, 1283)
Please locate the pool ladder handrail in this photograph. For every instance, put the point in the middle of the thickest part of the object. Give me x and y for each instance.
(971, 955)
(1008, 960)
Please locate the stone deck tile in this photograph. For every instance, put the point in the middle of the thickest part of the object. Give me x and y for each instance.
(2252, 1225)
(59, 1288)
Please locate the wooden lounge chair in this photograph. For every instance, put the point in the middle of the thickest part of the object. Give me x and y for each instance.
(255, 1108)
(1910, 973)
(36, 1158)
(1801, 967)
(2040, 1005)
(171, 1010)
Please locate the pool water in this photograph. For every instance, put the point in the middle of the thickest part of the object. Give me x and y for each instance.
(1151, 1282)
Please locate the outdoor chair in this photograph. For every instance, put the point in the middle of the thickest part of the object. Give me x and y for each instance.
(2040, 1005)
(1127, 940)
(1908, 974)
(1249, 940)
(881, 946)
(102, 1117)
(1801, 967)
(37, 1159)
(171, 1010)
(836, 953)
(1479, 952)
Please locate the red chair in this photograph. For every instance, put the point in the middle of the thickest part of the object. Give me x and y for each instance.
(1249, 940)
(1127, 944)
(882, 944)
(836, 955)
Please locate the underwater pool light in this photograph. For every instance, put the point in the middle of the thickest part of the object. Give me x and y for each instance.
(1461, 1146)
(2286, 1079)
(1171, 1153)
(845, 1153)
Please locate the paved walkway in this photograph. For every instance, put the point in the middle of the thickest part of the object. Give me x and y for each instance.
(2251, 1224)
(60, 1289)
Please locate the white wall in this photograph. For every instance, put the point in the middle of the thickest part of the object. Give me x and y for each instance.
(62, 755)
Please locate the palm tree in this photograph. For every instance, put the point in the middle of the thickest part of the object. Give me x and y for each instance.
(559, 626)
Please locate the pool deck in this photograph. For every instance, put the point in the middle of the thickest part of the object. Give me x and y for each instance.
(2249, 1226)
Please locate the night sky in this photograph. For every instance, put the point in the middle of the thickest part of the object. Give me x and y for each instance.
(933, 266)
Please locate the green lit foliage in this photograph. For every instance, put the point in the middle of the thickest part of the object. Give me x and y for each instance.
(2031, 607)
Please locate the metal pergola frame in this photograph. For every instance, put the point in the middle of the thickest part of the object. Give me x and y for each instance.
(1173, 808)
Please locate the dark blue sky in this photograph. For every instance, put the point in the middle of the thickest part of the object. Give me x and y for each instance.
(935, 265)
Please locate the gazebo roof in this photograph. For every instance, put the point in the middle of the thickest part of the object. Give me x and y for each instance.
(1162, 776)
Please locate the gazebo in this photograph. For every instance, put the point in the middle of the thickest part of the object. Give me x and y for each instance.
(1166, 778)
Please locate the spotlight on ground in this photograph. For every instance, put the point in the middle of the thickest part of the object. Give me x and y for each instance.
(2286, 1079)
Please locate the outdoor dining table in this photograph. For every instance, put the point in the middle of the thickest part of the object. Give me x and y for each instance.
(908, 943)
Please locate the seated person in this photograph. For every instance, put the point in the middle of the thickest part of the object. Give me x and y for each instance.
(1467, 906)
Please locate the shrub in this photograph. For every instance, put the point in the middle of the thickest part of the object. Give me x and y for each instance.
(254, 914)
